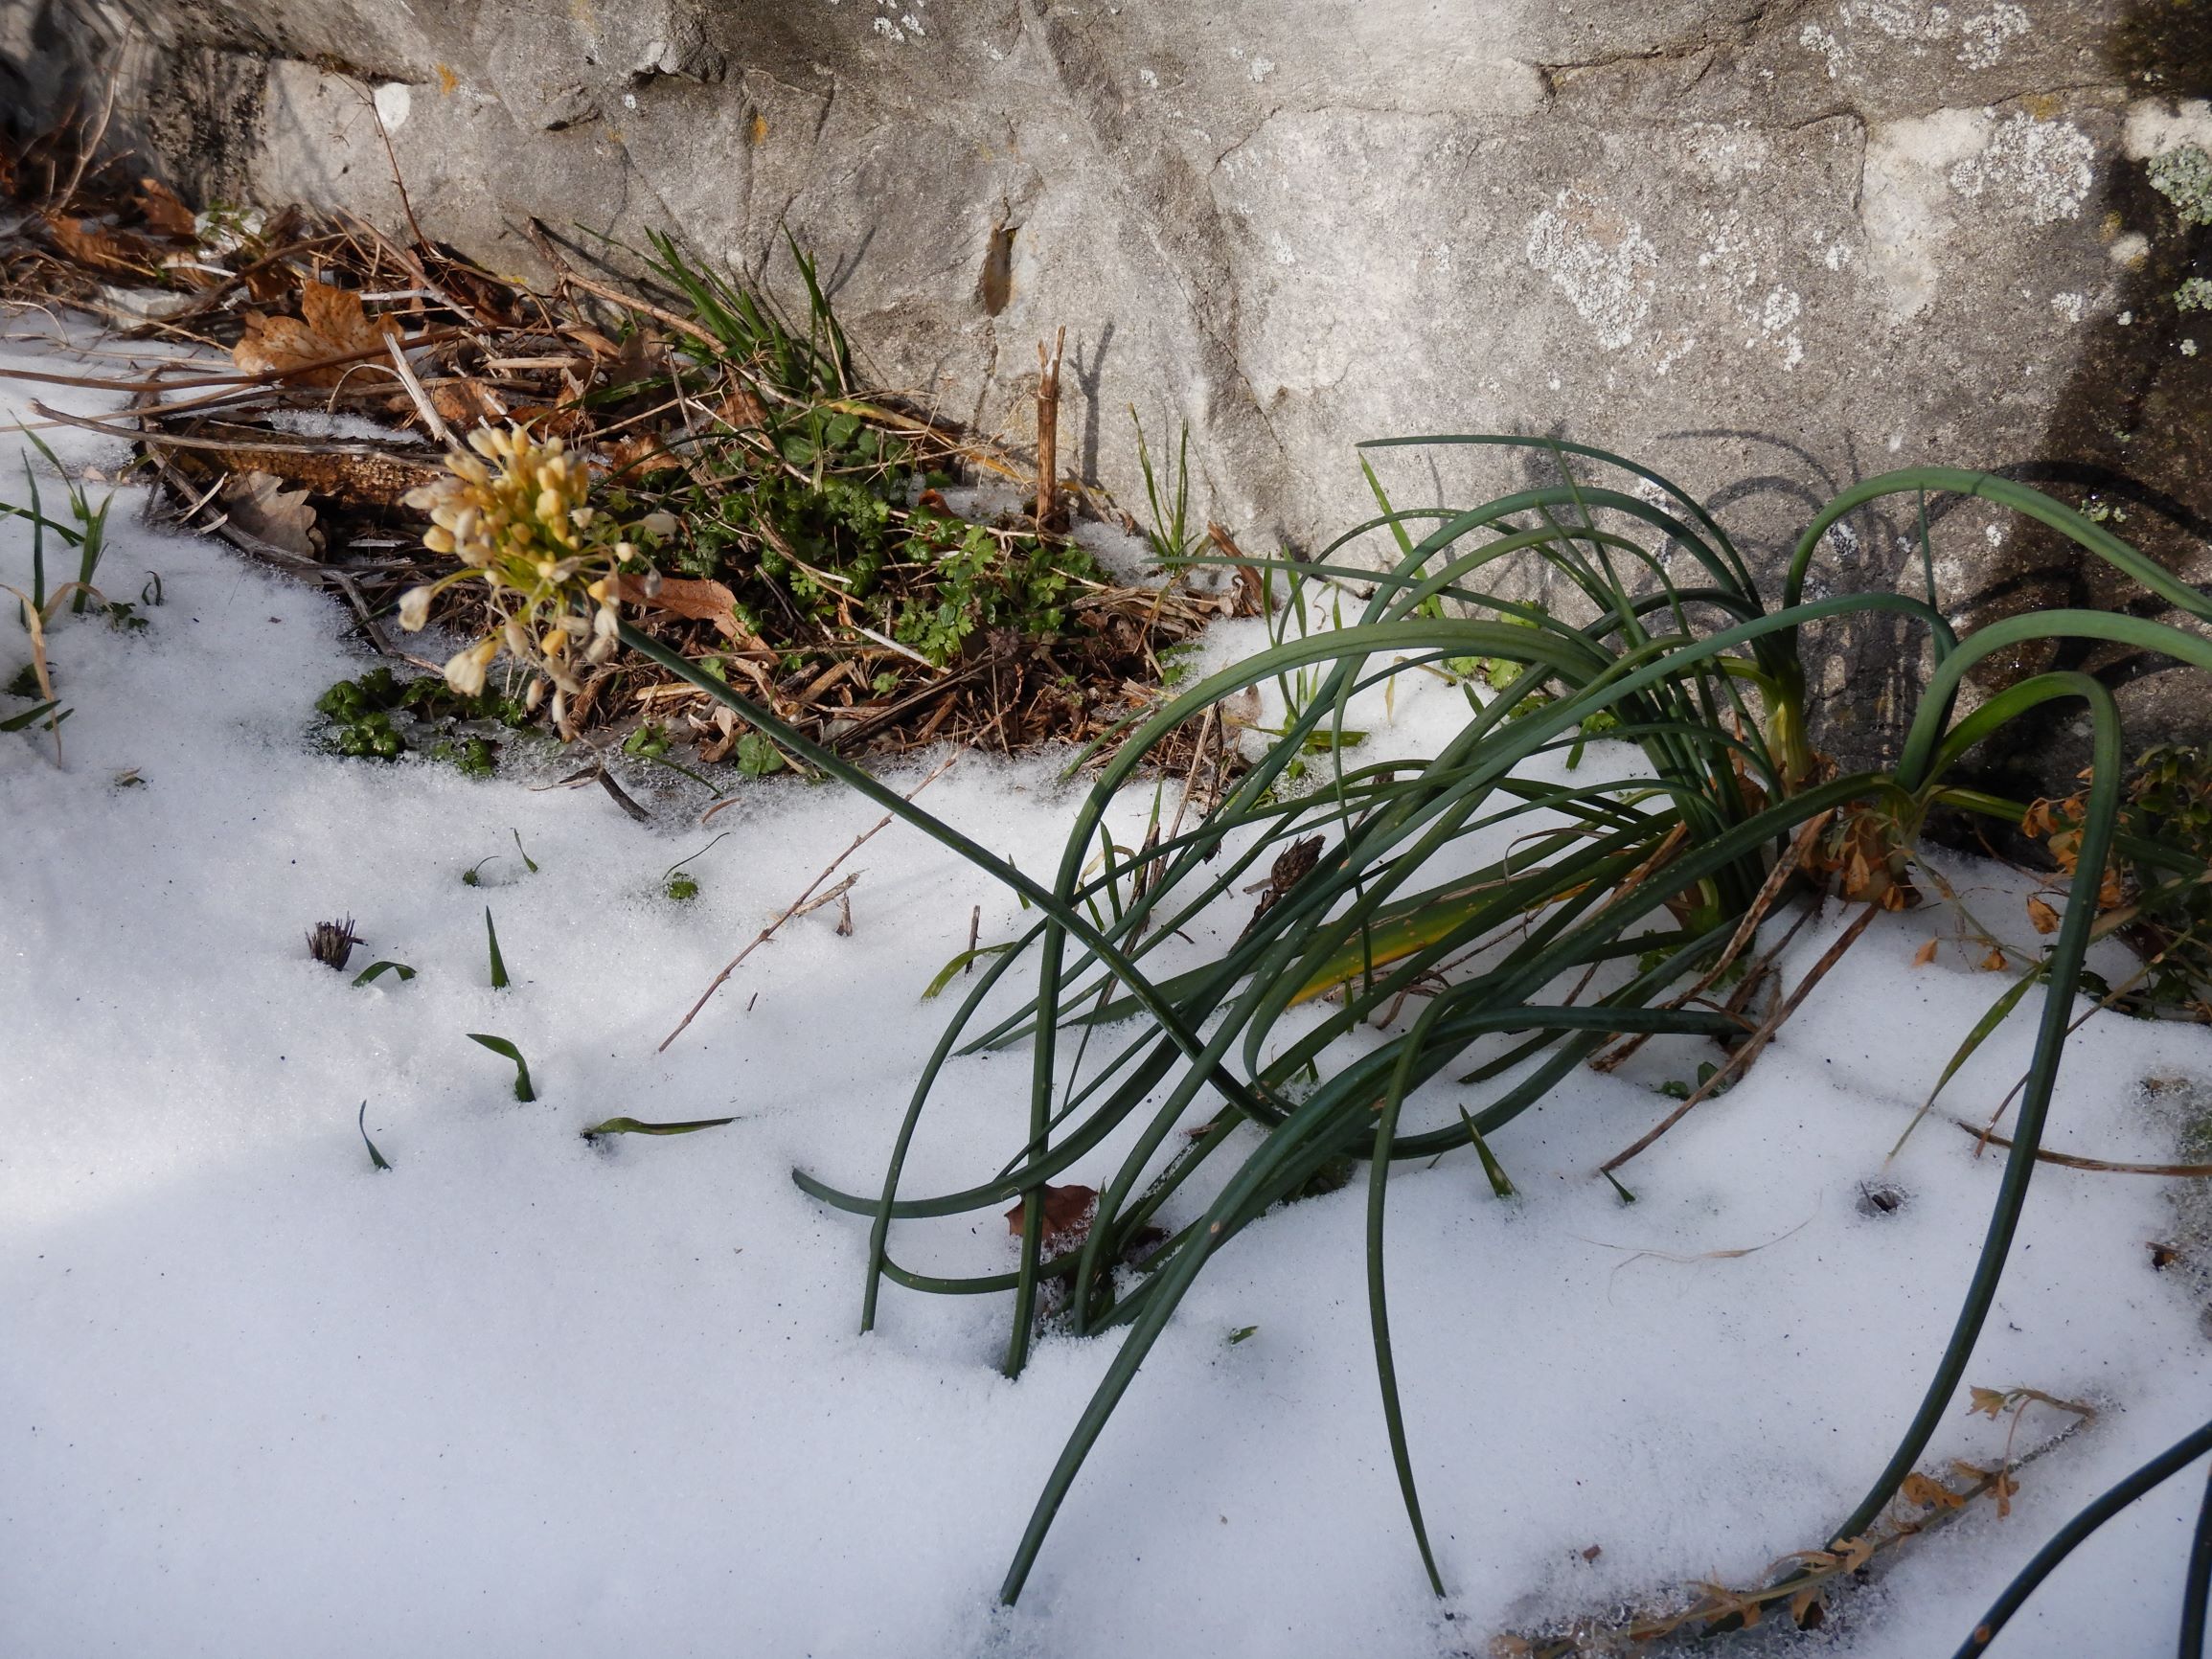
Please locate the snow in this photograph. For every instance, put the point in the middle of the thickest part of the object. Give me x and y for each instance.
(524, 1395)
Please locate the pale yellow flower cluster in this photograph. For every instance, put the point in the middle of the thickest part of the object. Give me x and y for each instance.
(516, 514)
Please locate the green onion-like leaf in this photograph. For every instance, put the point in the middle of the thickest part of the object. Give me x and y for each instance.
(1242, 1333)
(499, 1045)
(1500, 1183)
(951, 970)
(527, 863)
(1384, 882)
(499, 963)
(377, 1159)
(377, 970)
(634, 1127)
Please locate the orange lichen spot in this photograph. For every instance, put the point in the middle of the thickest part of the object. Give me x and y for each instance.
(756, 129)
(448, 82)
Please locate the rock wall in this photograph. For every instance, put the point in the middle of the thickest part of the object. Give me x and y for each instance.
(1767, 245)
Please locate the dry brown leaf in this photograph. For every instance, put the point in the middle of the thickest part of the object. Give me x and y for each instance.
(641, 453)
(466, 405)
(261, 505)
(2041, 915)
(90, 242)
(741, 409)
(330, 324)
(1994, 962)
(158, 205)
(1928, 1494)
(1291, 865)
(1989, 1401)
(1925, 954)
(2002, 1485)
(591, 340)
(1067, 1214)
(1805, 1609)
(695, 600)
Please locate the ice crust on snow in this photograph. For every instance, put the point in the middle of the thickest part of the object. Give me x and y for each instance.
(526, 1395)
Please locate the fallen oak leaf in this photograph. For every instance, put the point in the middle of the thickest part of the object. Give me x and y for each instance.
(330, 324)
(261, 505)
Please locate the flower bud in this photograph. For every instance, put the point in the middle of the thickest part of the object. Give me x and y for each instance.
(465, 669)
(415, 608)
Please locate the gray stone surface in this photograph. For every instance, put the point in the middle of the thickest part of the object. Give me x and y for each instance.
(1770, 246)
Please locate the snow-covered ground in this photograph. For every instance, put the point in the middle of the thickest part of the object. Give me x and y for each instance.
(524, 1395)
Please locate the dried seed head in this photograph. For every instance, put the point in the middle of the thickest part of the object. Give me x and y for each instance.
(331, 942)
(514, 508)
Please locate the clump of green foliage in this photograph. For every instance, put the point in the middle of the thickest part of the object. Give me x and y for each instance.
(361, 726)
(818, 513)
(1440, 984)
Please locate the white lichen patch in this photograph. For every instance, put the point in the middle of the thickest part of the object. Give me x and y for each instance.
(1979, 37)
(1905, 203)
(2156, 127)
(1741, 262)
(2042, 169)
(2072, 308)
(1815, 38)
(1606, 268)
(1724, 153)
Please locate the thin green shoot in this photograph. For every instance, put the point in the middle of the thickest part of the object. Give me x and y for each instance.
(377, 1159)
(499, 1045)
(1500, 1184)
(634, 1127)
